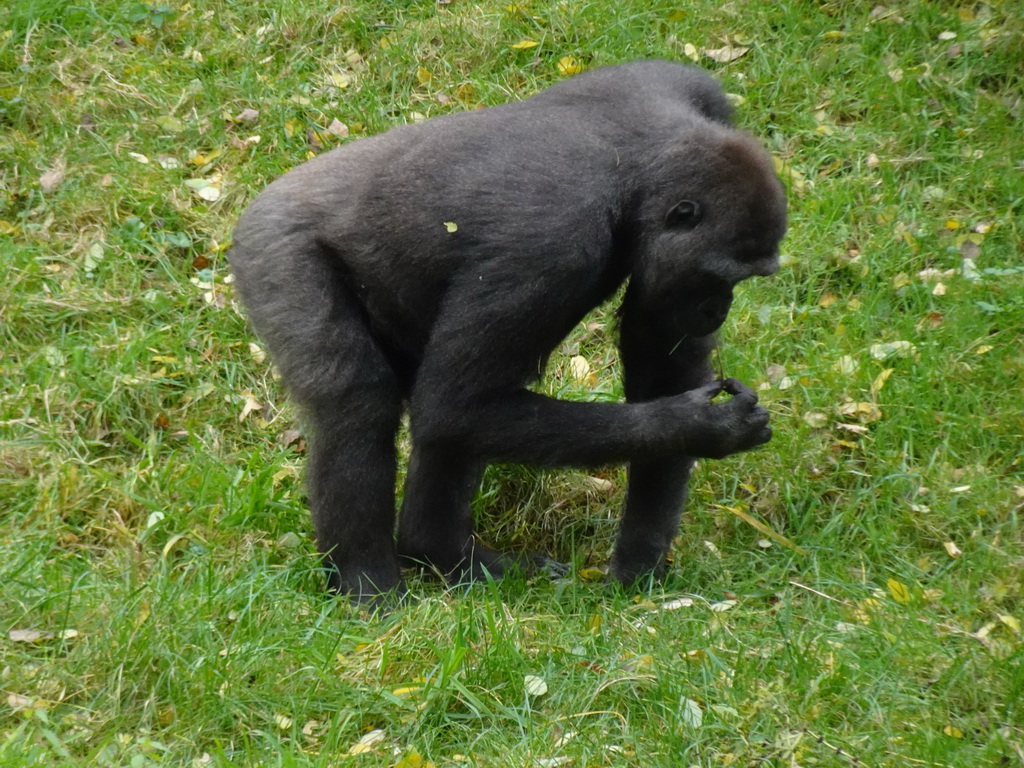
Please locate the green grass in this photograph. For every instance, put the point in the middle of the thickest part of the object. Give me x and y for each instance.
(154, 529)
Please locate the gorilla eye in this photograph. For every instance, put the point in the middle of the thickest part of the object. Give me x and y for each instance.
(684, 215)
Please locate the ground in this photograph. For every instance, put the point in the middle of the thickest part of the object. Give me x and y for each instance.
(851, 594)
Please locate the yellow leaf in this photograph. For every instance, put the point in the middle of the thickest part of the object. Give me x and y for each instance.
(405, 690)
(952, 224)
(899, 591)
(567, 65)
(411, 759)
(865, 608)
(952, 730)
(952, 549)
(451, 226)
(879, 382)
(827, 300)
(524, 44)
(1011, 622)
(592, 574)
(423, 76)
(765, 529)
(676, 14)
(691, 52)
(983, 349)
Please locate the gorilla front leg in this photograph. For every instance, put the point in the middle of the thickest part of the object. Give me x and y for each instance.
(654, 505)
(655, 365)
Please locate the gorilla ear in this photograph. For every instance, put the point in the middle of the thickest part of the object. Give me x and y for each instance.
(684, 215)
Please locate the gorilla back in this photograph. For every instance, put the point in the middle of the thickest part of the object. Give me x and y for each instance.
(437, 265)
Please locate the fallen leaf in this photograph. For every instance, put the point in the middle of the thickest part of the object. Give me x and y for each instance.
(366, 743)
(535, 686)
(170, 124)
(857, 429)
(524, 44)
(36, 635)
(93, 256)
(691, 713)
(899, 591)
(251, 404)
(1011, 622)
(413, 759)
(600, 484)
(865, 412)
(952, 549)
(880, 379)
(139, 157)
(846, 364)
(451, 226)
(338, 128)
(727, 54)
(247, 115)
(579, 368)
(567, 65)
(675, 605)
(14, 701)
(763, 528)
(204, 188)
(893, 349)
(54, 177)
(815, 419)
(952, 730)
(970, 249)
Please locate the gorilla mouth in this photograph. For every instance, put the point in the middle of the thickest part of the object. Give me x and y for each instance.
(710, 313)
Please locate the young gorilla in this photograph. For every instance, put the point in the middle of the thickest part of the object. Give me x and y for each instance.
(441, 263)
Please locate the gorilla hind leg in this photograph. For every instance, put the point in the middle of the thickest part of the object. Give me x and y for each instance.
(349, 394)
(351, 479)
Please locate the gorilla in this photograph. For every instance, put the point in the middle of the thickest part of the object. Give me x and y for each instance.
(437, 265)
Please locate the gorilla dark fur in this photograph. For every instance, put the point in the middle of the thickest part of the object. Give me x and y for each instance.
(368, 298)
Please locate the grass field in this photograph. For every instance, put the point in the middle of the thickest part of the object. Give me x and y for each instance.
(161, 603)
